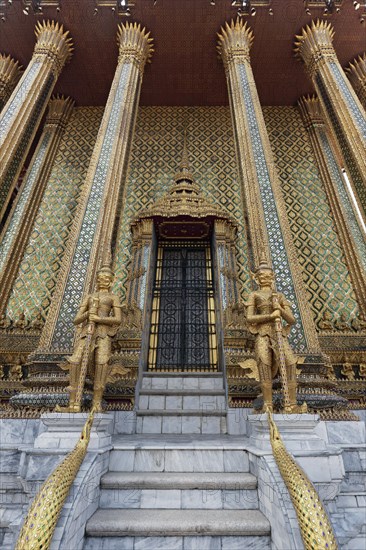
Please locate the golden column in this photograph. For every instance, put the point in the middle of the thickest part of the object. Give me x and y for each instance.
(337, 97)
(23, 112)
(19, 224)
(101, 201)
(264, 203)
(356, 73)
(351, 235)
(10, 73)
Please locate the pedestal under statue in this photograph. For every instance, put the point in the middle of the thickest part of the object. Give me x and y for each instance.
(266, 311)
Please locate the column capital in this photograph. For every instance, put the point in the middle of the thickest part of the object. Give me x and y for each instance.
(356, 72)
(311, 111)
(59, 110)
(314, 45)
(53, 44)
(10, 72)
(135, 45)
(234, 42)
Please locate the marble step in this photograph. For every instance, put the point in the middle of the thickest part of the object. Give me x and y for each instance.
(181, 422)
(185, 400)
(186, 391)
(154, 523)
(202, 542)
(178, 453)
(185, 499)
(178, 480)
(180, 382)
(185, 490)
(12, 491)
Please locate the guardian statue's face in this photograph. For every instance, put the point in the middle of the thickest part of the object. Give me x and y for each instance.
(265, 277)
(104, 280)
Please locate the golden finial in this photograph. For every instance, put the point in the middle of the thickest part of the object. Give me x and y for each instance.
(263, 262)
(234, 39)
(51, 36)
(184, 174)
(10, 70)
(319, 35)
(135, 43)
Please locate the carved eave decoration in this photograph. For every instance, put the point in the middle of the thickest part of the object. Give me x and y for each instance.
(184, 200)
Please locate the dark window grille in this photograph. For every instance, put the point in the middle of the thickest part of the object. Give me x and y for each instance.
(183, 329)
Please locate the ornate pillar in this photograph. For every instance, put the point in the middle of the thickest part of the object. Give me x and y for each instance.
(351, 236)
(23, 112)
(103, 192)
(225, 235)
(10, 72)
(356, 73)
(19, 225)
(336, 95)
(264, 204)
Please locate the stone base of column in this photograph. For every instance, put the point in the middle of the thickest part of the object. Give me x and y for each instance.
(63, 431)
(297, 431)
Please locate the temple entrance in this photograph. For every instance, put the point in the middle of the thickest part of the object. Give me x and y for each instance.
(183, 328)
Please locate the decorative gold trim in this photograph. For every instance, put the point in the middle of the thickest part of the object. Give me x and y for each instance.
(59, 111)
(356, 72)
(311, 112)
(234, 44)
(10, 73)
(135, 45)
(42, 517)
(132, 40)
(52, 50)
(53, 44)
(314, 47)
(315, 526)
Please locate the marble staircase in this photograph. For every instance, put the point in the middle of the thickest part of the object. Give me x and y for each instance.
(192, 403)
(182, 483)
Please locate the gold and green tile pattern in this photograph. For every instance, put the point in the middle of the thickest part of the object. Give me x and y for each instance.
(155, 158)
(37, 275)
(324, 267)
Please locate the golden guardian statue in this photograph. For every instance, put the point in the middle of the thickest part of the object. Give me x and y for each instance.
(99, 317)
(270, 317)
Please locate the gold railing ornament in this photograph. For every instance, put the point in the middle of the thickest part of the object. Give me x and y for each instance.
(42, 517)
(315, 526)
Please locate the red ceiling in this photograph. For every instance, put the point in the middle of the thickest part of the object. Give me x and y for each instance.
(185, 69)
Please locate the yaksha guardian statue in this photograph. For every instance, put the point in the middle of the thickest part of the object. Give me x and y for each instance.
(266, 310)
(99, 317)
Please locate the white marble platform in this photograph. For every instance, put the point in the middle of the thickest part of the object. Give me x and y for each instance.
(297, 432)
(63, 431)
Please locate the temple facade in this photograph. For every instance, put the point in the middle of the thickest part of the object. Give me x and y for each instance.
(182, 200)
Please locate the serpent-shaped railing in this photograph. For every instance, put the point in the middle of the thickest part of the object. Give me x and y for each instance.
(315, 527)
(42, 517)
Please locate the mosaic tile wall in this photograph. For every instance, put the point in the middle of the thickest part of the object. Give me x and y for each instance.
(38, 271)
(155, 159)
(324, 268)
(154, 162)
